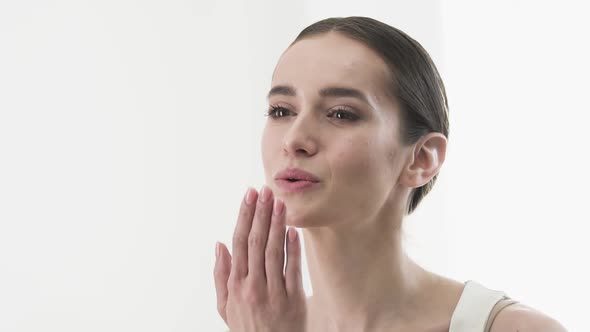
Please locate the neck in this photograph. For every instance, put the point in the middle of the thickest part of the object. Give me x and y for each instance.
(361, 277)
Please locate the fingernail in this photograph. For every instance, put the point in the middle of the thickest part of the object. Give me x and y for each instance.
(279, 207)
(292, 234)
(264, 194)
(250, 196)
(216, 249)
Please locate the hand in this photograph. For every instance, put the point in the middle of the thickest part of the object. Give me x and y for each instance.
(253, 294)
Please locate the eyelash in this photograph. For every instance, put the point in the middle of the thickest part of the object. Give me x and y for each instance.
(272, 112)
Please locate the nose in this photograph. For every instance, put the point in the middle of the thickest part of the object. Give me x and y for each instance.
(301, 138)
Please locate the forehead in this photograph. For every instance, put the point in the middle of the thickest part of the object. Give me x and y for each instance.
(332, 59)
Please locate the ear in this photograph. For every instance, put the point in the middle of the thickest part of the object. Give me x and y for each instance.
(426, 160)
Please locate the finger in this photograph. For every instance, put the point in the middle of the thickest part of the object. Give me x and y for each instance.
(221, 275)
(259, 235)
(293, 281)
(239, 268)
(275, 252)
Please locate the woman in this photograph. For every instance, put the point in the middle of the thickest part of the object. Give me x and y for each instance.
(356, 134)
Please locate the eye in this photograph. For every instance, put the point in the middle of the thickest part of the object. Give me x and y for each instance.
(276, 112)
(342, 114)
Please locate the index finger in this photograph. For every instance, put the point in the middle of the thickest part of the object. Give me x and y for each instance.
(239, 268)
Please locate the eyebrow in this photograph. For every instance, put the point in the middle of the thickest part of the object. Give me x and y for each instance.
(331, 91)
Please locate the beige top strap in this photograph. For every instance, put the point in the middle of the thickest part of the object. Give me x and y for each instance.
(475, 307)
(506, 301)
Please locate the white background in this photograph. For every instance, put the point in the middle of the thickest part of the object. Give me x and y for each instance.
(129, 131)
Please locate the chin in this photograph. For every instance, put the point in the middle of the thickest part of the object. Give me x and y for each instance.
(302, 211)
(299, 219)
(296, 220)
(303, 219)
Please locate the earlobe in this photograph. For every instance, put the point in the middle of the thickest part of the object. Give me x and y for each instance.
(427, 158)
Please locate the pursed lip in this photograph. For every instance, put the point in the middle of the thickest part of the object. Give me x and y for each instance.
(296, 174)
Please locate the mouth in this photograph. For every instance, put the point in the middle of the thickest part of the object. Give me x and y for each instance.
(292, 185)
(295, 180)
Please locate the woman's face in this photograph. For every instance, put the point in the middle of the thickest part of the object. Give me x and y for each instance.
(333, 118)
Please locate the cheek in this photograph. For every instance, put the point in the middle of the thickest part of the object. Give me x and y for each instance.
(354, 157)
(269, 147)
(265, 148)
(365, 163)
(358, 179)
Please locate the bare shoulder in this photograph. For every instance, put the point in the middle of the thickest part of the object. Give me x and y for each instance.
(519, 317)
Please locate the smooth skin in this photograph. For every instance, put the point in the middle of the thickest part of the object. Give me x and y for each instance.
(362, 279)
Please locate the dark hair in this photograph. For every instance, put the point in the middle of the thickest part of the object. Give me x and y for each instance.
(416, 82)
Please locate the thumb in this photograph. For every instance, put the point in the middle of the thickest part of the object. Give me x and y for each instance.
(221, 275)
